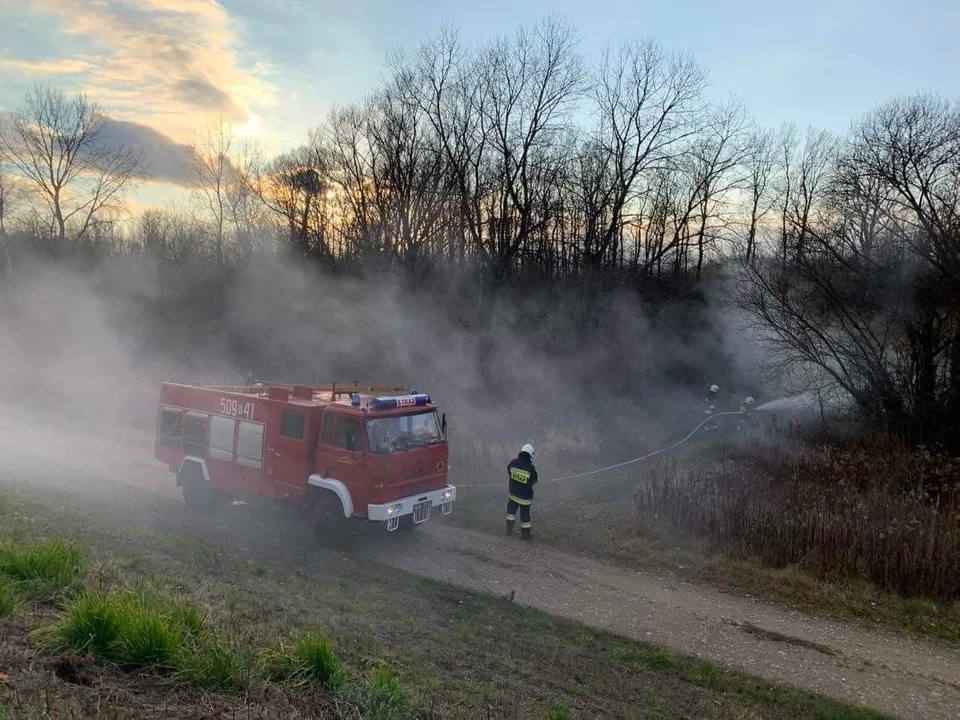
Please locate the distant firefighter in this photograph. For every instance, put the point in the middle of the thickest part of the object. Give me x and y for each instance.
(745, 421)
(711, 407)
(523, 476)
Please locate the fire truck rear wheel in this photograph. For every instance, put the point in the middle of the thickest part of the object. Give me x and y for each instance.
(327, 520)
(197, 492)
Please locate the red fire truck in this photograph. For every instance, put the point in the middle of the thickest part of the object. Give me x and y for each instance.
(375, 453)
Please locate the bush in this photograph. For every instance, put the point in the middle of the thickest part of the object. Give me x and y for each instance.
(865, 509)
(43, 571)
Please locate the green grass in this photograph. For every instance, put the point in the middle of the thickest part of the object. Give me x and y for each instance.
(311, 659)
(220, 667)
(124, 628)
(137, 631)
(381, 695)
(558, 711)
(43, 571)
(9, 600)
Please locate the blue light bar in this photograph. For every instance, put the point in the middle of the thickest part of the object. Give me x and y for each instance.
(389, 403)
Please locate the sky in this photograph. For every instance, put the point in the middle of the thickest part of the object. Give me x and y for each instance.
(163, 69)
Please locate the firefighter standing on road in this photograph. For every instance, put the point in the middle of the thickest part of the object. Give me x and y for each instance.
(523, 476)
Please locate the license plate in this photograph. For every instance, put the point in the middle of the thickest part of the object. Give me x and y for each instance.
(421, 512)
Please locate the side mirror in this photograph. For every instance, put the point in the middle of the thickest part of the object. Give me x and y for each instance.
(443, 425)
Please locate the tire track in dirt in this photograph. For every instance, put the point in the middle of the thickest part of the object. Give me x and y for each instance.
(903, 675)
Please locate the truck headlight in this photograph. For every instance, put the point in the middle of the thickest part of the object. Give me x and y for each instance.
(394, 510)
(446, 495)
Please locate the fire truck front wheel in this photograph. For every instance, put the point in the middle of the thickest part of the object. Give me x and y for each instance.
(327, 520)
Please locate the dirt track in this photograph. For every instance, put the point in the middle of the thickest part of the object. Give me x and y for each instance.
(113, 476)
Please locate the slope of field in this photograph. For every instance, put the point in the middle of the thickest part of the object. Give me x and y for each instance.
(461, 650)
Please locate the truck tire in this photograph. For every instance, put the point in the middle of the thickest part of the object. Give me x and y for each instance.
(327, 520)
(197, 492)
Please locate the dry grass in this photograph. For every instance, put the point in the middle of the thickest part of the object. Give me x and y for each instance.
(871, 510)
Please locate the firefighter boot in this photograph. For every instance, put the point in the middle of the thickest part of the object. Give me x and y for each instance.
(525, 534)
(510, 524)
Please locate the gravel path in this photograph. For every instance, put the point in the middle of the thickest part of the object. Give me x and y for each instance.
(902, 675)
(905, 676)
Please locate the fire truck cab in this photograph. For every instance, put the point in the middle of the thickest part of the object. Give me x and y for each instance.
(374, 453)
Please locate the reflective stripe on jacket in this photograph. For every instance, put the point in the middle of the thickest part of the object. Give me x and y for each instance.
(523, 476)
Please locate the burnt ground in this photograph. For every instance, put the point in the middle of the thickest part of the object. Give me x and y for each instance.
(109, 478)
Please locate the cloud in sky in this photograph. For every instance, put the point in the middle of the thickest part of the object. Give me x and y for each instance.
(172, 64)
(165, 159)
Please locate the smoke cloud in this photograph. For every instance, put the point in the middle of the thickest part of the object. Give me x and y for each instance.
(94, 346)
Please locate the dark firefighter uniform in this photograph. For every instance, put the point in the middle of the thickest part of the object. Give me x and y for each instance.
(523, 476)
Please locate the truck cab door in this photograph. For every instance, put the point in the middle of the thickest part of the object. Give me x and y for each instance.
(341, 455)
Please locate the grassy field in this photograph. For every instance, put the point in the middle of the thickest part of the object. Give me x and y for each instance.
(134, 623)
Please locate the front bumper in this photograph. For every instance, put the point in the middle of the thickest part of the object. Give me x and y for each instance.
(405, 506)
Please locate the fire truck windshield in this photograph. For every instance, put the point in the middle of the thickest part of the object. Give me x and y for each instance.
(401, 433)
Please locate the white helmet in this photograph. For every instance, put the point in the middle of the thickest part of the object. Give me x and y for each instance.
(714, 388)
(528, 449)
(749, 400)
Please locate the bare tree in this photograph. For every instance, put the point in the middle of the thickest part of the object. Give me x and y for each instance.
(803, 166)
(649, 104)
(760, 162)
(412, 187)
(59, 145)
(871, 301)
(530, 85)
(714, 160)
(11, 196)
(214, 178)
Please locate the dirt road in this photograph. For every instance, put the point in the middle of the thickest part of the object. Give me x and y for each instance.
(907, 677)
(113, 476)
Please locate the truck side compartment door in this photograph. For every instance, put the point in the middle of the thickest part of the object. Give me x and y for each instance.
(288, 452)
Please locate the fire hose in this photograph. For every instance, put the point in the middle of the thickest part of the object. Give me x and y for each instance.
(616, 466)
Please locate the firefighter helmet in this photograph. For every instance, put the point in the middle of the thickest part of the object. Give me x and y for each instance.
(714, 388)
(749, 400)
(528, 449)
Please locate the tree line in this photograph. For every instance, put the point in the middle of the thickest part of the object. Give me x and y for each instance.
(518, 163)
